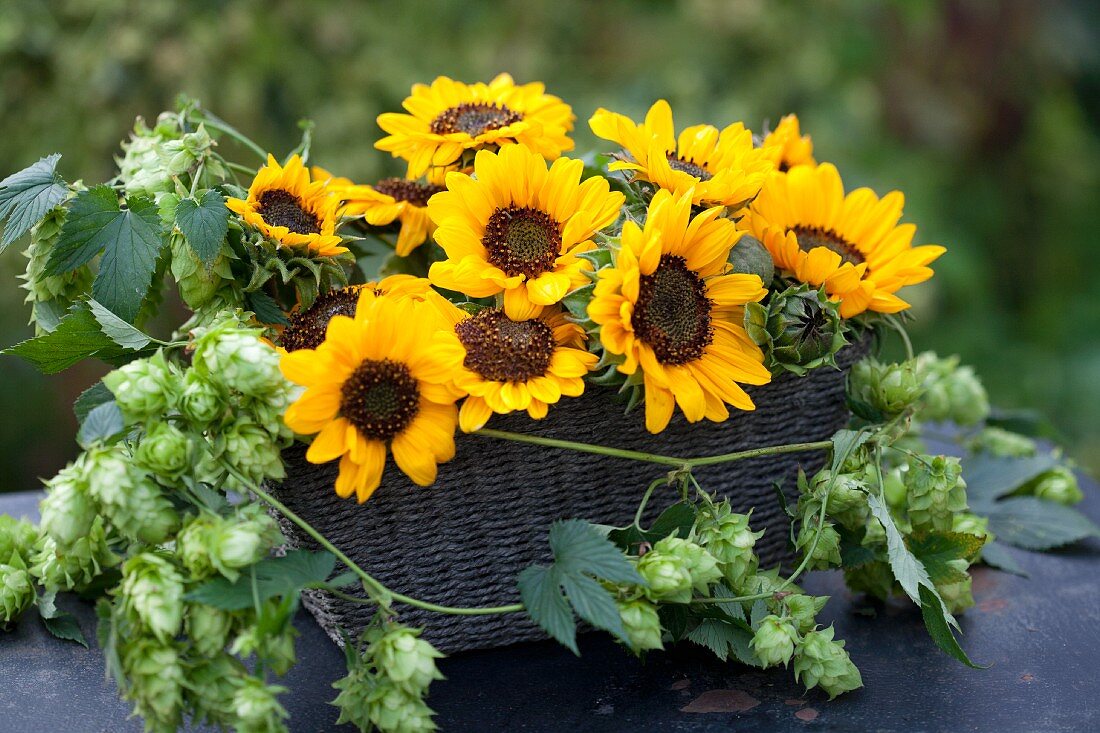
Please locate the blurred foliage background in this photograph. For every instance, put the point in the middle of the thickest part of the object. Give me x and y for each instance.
(986, 114)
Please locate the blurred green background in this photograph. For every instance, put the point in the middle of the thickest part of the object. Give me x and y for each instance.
(986, 114)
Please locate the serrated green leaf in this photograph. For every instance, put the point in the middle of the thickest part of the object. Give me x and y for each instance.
(27, 196)
(64, 626)
(102, 423)
(599, 257)
(756, 614)
(845, 442)
(204, 223)
(541, 595)
(908, 570)
(92, 397)
(593, 603)
(130, 240)
(118, 330)
(996, 555)
(576, 302)
(936, 551)
(266, 309)
(936, 622)
(275, 576)
(77, 337)
(1035, 524)
(580, 548)
(989, 477)
(725, 640)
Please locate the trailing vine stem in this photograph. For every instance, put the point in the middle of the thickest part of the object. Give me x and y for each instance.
(682, 463)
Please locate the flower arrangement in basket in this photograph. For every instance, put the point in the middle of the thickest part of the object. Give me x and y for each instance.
(462, 350)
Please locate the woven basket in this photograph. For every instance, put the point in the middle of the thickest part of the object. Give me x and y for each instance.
(463, 541)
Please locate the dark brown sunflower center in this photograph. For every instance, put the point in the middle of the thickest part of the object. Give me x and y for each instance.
(474, 119)
(411, 191)
(283, 209)
(503, 350)
(307, 328)
(522, 241)
(380, 399)
(811, 237)
(686, 166)
(672, 315)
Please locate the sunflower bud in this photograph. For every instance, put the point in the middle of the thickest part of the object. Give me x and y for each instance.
(802, 610)
(951, 392)
(141, 388)
(74, 567)
(208, 628)
(1058, 484)
(821, 662)
(152, 588)
(17, 592)
(155, 676)
(201, 401)
(256, 707)
(407, 660)
(774, 641)
(729, 539)
(750, 257)
(165, 451)
(134, 504)
(641, 623)
(799, 329)
(935, 491)
(879, 391)
(68, 509)
(1003, 443)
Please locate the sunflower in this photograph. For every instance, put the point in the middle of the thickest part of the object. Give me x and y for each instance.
(307, 327)
(667, 305)
(506, 364)
(720, 167)
(390, 200)
(378, 381)
(787, 147)
(285, 206)
(852, 244)
(450, 117)
(518, 227)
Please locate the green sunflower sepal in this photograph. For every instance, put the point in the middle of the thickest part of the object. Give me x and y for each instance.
(799, 329)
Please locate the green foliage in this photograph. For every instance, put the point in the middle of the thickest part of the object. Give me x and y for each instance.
(204, 223)
(78, 336)
(276, 576)
(26, 197)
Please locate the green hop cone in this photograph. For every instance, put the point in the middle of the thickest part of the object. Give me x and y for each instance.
(242, 540)
(17, 536)
(142, 170)
(802, 610)
(951, 392)
(135, 505)
(878, 391)
(142, 388)
(181, 155)
(274, 646)
(208, 628)
(165, 451)
(873, 578)
(957, 595)
(1058, 485)
(253, 451)
(826, 553)
(821, 662)
(68, 510)
(200, 283)
(75, 567)
(728, 538)
(799, 329)
(641, 623)
(893, 487)
(667, 577)
(847, 497)
(54, 291)
(152, 590)
(155, 675)
(202, 401)
(972, 524)
(935, 491)
(211, 683)
(193, 544)
(406, 659)
(235, 357)
(1003, 443)
(257, 708)
(700, 564)
(394, 708)
(17, 591)
(774, 641)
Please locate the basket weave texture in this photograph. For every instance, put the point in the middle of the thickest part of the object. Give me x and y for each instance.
(464, 540)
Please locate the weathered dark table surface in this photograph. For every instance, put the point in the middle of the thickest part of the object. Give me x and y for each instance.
(1041, 635)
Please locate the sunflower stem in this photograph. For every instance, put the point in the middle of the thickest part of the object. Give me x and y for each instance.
(379, 593)
(683, 463)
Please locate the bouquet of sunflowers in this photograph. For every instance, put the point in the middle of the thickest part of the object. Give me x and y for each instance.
(710, 277)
